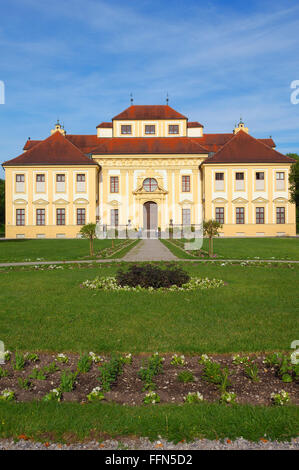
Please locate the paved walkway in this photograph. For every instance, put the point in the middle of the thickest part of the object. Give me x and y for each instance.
(149, 250)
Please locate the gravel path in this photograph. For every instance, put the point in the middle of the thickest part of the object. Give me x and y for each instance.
(145, 444)
(149, 250)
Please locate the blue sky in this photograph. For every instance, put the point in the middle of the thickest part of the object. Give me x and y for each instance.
(80, 60)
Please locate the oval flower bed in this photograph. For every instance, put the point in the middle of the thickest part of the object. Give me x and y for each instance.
(110, 283)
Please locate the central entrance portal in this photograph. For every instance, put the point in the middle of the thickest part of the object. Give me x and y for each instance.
(150, 219)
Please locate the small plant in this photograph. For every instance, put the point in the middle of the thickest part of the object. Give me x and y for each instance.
(51, 368)
(20, 361)
(53, 395)
(193, 397)
(151, 397)
(95, 394)
(62, 358)
(37, 374)
(252, 371)
(240, 359)
(96, 359)
(177, 360)
(154, 367)
(213, 373)
(84, 363)
(109, 372)
(67, 381)
(272, 360)
(203, 359)
(3, 372)
(281, 398)
(31, 357)
(25, 384)
(7, 355)
(7, 395)
(126, 359)
(185, 376)
(228, 397)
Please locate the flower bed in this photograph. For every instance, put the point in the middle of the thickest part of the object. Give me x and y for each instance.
(137, 380)
(110, 283)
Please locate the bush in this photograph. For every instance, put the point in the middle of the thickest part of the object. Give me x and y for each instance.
(150, 275)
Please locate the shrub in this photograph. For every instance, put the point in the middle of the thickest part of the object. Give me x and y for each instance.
(150, 275)
(185, 376)
(109, 372)
(154, 367)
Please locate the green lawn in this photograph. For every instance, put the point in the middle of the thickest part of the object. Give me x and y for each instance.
(66, 422)
(46, 310)
(50, 250)
(246, 248)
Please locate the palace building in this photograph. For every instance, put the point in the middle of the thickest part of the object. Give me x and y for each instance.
(150, 168)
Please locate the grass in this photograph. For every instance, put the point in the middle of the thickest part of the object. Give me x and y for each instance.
(246, 248)
(68, 422)
(46, 310)
(52, 250)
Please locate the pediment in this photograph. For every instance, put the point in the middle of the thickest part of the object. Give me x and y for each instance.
(60, 201)
(280, 200)
(220, 200)
(114, 202)
(185, 202)
(260, 200)
(141, 190)
(40, 202)
(81, 200)
(240, 200)
(20, 201)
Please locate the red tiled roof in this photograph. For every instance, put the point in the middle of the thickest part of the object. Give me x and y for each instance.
(214, 142)
(84, 142)
(144, 145)
(105, 125)
(194, 124)
(149, 112)
(243, 148)
(55, 150)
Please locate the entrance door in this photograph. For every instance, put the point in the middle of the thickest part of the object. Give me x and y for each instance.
(150, 219)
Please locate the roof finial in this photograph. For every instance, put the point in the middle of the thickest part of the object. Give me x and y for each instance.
(167, 99)
(132, 99)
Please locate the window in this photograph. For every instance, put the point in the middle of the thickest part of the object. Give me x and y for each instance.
(280, 181)
(60, 183)
(20, 219)
(80, 180)
(40, 217)
(80, 216)
(219, 181)
(220, 215)
(126, 129)
(259, 183)
(20, 183)
(60, 216)
(150, 184)
(280, 215)
(186, 217)
(240, 182)
(114, 217)
(150, 129)
(40, 183)
(186, 184)
(114, 184)
(260, 215)
(173, 129)
(240, 215)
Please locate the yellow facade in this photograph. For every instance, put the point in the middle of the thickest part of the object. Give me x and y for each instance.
(185, 188)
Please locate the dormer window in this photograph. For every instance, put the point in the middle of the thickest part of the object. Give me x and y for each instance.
(150, 129)
(126, 129)
(173, 129)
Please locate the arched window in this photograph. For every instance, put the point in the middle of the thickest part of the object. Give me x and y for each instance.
(150, 184)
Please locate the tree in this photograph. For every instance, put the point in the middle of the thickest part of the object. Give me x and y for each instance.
(211, 229)
(294, 183)
(2, 201)
(89, 231)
